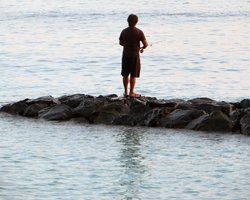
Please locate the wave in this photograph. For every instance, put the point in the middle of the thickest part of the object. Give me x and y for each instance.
(113, 14)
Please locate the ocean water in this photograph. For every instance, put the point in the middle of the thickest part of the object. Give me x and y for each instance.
(197, 48)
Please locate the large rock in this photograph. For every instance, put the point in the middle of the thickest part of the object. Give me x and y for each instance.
(217, 121)
(111, 111)
(153, 116)
(73, 100)
(126, 120)
(138, 107)
(207, 105)
(201, 100)
(58, 112)
(89, 108)
(34, 109)
(180, 118)
(45, 99)
(245, 124)
(17, 108)
(245, 103)
(161, 103)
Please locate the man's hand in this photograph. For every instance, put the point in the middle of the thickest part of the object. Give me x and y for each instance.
(141, 50)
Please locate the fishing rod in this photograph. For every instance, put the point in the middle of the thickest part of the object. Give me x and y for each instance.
(142, 50)
(155, 43)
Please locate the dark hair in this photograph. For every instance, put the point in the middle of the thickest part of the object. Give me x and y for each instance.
(132, 20)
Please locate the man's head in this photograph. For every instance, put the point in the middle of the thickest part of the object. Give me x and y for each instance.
(132, 20)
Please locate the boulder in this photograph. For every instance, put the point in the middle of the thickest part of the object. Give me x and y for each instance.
(45, 99)
(207, 105)
(161, 104)
(201, 100)
(245, 103)
(109, 112)
(58, 112)
(126, 120)
(153, 116)
(137, 109)
(73, 100)
(34, 109)
(89, 108)
(245, 124)
(17, 108)
(216, 121)
(180, 118)
(137, 106)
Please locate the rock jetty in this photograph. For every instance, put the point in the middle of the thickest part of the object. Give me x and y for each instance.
(201, 114)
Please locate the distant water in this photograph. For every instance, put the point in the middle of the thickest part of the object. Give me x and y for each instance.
(197, 48)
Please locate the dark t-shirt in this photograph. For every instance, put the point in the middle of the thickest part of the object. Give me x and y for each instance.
(131, 38)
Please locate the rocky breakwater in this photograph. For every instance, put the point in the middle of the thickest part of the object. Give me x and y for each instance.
(201, 114)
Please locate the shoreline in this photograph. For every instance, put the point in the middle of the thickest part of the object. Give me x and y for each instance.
(201, 114)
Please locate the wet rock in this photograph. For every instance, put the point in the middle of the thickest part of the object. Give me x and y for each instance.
(153, 117)
(58, 112)
(161, 104)
(202, 100)
(109, 96)
(126, 120)
(73, 100)
(34, 109)
(236, 116)
(180, 118)
(137, 109)
(49, 100)
(245, 103)
(89, 108)
(207, 105)
(245, 124)
(137, 106)
(209, 108)
(198, 114)
(111, 111)
(217, 121)
(80, 120)
(15, 108)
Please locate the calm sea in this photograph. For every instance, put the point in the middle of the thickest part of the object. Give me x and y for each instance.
(197, 48)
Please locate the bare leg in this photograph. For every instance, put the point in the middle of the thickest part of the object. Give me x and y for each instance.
(125, 84)
(132, 87)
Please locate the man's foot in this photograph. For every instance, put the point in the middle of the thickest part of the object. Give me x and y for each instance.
(135, 95)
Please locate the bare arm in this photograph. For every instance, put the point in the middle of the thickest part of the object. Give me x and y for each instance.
(145, 44)
(121, 42)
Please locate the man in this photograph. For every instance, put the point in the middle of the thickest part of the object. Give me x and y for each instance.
(130, 39)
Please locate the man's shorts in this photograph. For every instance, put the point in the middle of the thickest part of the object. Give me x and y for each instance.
(131, 65)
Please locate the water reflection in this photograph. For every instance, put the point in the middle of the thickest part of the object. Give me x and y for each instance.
(131, 163)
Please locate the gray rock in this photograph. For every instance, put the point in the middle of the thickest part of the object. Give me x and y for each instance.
(89, 108)
(111, 111)
(34, 109)
(137, 106)
(245, 103)
(58, 112)
(126, 120)
(137, 110)
(17, 108)
(245, 124)
(202, 100)
(207, 105)
(217, 121)
(180, 118)
(73, 100)
(161, 104)
(152, 117)
(45, 99)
